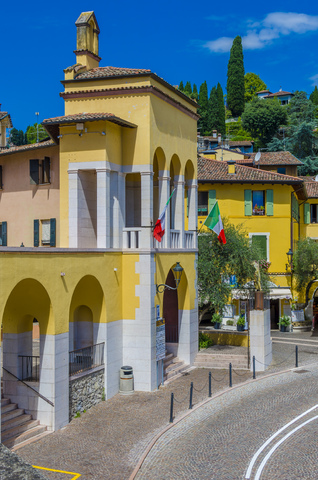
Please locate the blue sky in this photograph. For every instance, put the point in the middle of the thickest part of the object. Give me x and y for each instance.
(177, 40)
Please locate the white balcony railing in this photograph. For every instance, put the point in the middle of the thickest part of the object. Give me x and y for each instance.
(189, 239)
(174, 238)
(131, 237)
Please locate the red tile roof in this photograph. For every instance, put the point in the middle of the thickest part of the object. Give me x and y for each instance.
(31, 146)
(216, 171)
(311, 189)
(105, 72)
(279, 94)
(277, 158)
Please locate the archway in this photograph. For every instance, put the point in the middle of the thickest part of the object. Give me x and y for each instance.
(170, 310)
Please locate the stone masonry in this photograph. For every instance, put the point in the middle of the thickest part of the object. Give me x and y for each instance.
(86, 390)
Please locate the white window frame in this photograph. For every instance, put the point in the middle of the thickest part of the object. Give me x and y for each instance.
(267, 234)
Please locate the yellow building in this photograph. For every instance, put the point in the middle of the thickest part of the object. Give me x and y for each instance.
(270, 206)
(84, 206)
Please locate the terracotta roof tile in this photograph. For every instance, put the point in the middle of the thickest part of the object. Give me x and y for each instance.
(278, 94)
(277, 158)
(217, 171)
(311, 189)
(104, 72)
(31, 146)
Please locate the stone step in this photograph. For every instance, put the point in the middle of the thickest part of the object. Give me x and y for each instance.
(174, 366)
(19, 429)
(175, 371)
(12, 414)
(4, 401)
(8, 408)
(22, 437)
(220, 361)
(13, 422)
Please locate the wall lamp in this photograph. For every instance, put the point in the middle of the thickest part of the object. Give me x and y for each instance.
(177, 272)
(290, 260)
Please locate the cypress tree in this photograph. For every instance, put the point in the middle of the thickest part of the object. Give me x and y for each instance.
(195, 94)
(187, 89)
(235, 79)
(203, 109)
(314, 96)
(221, 123)
(181, 87)
(213, 110)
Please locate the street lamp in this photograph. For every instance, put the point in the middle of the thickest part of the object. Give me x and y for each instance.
(290, 259)
(177, 272)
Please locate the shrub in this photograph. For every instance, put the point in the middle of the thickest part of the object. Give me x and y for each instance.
(230, 322)
(216, 318)
(205, 341)
(241, 321)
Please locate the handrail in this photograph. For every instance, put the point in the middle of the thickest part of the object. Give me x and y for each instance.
(38, 394)
(89, 346)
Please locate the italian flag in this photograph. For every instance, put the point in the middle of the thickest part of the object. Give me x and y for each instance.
(159, 229)
(214, 222)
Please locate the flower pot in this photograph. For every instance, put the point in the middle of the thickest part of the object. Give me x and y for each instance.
(217, 325)
(240, 328)
(283, 328)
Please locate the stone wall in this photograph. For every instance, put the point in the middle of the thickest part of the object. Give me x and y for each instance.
(86, 390)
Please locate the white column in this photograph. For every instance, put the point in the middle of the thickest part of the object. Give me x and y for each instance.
(73, 208)
(119, 207)
(146, 209)
(164, 193)
(193, 209)
(179, 207)
(103, 208)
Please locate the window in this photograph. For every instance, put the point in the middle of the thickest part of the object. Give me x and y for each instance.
(3, 234)
(45, 233)
(203, 198)
(281, 170)
(313, 213)
(259, 202)
(261, 242)
(40, 171)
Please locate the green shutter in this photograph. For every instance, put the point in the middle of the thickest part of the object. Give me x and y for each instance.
(260, 242)
(212, 200)
(46, 165)
(306, 213)
(269, 202)
(52, 232)
(248, 202)
(34, 172)
(36, 233)
(4, 234)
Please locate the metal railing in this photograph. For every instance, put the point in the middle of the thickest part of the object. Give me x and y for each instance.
(30, 368)
(29, 387)
(86, 358)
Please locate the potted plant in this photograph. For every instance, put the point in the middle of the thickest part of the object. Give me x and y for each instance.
(217, 320)
(284, 322)
(240, 324)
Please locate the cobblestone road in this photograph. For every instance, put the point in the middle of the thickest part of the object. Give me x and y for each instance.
(107, 441)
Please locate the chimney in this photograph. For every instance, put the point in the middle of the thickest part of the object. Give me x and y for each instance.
(87, 40)
(231, 167)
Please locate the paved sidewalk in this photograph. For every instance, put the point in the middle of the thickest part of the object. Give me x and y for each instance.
(107, 441)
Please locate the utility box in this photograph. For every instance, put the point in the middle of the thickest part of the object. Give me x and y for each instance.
(126, 380)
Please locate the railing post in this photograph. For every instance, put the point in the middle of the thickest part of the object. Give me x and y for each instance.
(296, 351)
(191, 395)
(171, 409)
(210, 384)
(254, 376)
(230, 374)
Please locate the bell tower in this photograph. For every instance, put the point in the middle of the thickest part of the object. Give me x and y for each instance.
(87, 40)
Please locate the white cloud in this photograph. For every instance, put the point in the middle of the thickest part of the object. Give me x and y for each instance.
(263, 33)
(314, 79)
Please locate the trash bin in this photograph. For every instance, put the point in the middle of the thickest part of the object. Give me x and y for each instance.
(126, 381)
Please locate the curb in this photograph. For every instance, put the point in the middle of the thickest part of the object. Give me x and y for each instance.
(186, 414)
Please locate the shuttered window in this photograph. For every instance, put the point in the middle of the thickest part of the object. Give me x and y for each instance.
(3, 234)
(248, 202)
(203, 203)
(40, 171)
(306, 213)
(260, 242)
(269, 202)
(34, 172)
(45, 232)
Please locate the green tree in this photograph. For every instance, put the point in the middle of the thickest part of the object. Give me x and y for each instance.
(34, 132)
(235, 78)
(216, 262)
(194, 95)
(221, 120)
(253, 84)
(213, 118)
(203, 122)
(305, 265)
(314, 96)
(17, 137)
(262, 118)
(301, 109)
(181, 87)
(187, 89)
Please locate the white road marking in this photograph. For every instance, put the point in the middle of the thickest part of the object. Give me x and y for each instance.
(272, 450)
(295, 343)
(259, 451)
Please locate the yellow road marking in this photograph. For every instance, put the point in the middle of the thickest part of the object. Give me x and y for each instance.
(77, 475)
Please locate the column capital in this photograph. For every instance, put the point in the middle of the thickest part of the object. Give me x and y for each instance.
(101, 170)
(162, 179)
(192, 185)
(72, 172)
(147, 173)
(122, 174)
(179, 182)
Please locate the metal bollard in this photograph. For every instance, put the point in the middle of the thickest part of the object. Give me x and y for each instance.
(254, 376)
(171, 409)
(191, 395)
(230, 374)
(296, 351)
(210, 384)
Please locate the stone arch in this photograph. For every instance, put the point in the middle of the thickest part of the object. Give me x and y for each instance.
(88, 308)
(159, 167)
(189, 172)
(175, 173)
